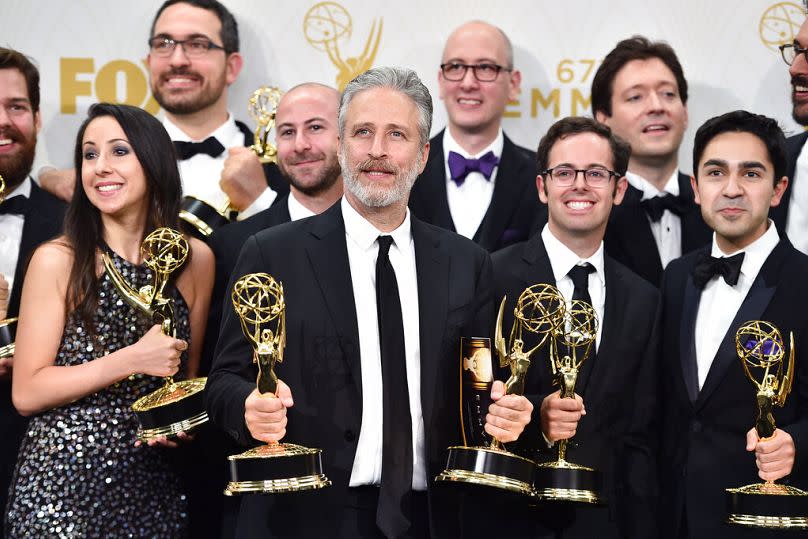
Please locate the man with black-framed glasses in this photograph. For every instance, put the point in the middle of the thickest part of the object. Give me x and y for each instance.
(477, 182)
(791, 216)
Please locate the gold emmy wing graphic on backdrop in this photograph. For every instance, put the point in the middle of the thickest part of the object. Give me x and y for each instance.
(262, 107)
(177, 406)
(760, 348)
(328, 23)
(780, 23)
(275, 467)
(538, 311)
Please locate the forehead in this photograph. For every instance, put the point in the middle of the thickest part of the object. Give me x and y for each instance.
(736, 147)
(12, 84)
(651, 72)
(802, 35)
(382, 106)
(581, 150)
(102, 129)
(474, 42)
(306, 103)
(182, 20)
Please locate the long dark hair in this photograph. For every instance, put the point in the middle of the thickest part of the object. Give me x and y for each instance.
(83, 228)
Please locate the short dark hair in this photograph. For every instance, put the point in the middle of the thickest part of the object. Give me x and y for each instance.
(11, 59)
(573, 125)
(229, 34)
(741, 121)
(633, 48)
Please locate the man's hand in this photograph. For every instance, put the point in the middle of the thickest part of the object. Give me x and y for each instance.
(774, 457)
(4, 295)
(59, 183)
(265, 415)
(559, 417)
(243, 177)
(508, 414)
(6, 364)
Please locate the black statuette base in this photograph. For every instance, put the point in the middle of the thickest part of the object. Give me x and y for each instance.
(201, 215)
(562, 481)
(489, 467)
(274, 469)
(767, 506)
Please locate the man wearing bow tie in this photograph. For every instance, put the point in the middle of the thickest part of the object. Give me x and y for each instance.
(640, 91)
(28, 216)
(706, 407)
(477, 182)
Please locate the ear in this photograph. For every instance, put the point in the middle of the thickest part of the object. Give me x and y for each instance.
(695, 186)
(37, 121)
(779, 190)
(620, 191)
(540, 187)
(515, 85)
(234, 64)
(601, 117)
(424, 156)
(441, 83)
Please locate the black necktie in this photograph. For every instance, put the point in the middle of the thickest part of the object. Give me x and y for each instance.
(17, 205)
(708, 267)
(657, 205)
(393, 514)
(186, 150)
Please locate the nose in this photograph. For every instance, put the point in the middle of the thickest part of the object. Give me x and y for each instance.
(655, 103)
(378, 147)
(178, 56)
(733, 187)
(579, 182)
(102, 165)
(5, 119)
(302, 142)
(469, 80)
(799, 66)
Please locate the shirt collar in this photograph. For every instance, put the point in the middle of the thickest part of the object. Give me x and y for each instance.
(24, 189)
(451, 145)
(296, 209)
(649, 190)
(224, 133)
(364, 234)
(562, 258)
(756, 252)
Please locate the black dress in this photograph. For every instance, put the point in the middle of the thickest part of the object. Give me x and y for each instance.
(79, 473)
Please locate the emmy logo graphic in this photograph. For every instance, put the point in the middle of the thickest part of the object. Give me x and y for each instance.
(328, 23)
(779, 23)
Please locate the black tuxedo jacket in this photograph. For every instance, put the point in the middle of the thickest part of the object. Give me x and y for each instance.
(629, 239)
(612, 383)
(42, 223)
(703, 440)
(515, 211)
(275, 179)
(779, 214)
(322, 363)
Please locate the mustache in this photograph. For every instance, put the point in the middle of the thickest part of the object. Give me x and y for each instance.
(799, 80)
(303, 157)
(182, 70)
(381, 165)
(12, 133)
(735, 204)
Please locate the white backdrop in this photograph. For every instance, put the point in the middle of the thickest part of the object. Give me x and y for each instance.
(90, 50)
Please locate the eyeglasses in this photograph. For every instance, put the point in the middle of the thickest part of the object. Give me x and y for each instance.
(594, 177)
(790, 51)
(455, 71)
(193, 48)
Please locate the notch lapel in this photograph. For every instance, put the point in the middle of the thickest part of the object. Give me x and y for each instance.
(430, 188)
(687, 338)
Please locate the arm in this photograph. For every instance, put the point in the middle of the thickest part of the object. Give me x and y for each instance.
(58, 182)
(244, 182)
(38, 384)
(195, 285)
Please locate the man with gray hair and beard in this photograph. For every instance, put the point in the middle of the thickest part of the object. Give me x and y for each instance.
(376, 301)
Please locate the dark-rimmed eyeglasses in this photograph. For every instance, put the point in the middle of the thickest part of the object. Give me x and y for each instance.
(594, 177)
(790, 51)
(193, 47)
(485, 72)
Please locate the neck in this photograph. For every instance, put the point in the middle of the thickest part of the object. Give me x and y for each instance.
(318, 202)
(199, 125)
(474, 141)
(384, 219)
(124, 236)
(657, 171)
(729, 245)
(583, 245)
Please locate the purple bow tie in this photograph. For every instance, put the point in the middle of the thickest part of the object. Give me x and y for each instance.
(460, 167)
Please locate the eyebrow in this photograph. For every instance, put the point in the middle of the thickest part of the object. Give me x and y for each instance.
(586, 167)
(477, 61)
(399, 127)
(190, 36)
(725, 164)
(110, 141)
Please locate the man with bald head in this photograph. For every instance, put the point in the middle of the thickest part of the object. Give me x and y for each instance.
(477, 182)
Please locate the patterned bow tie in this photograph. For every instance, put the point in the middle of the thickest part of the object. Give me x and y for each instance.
(708, 267)
(460, 167)
(17, 205)
(209, 146)
(656, 206)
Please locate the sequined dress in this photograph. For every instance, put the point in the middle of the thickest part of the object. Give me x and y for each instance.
(79, 473)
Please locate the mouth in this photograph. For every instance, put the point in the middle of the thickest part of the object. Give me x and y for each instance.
(304, 161)
(7, 144)
(180, 81)
(579, 205)
(799, 89)
(656, 129)
(468, 102)
(108, 188)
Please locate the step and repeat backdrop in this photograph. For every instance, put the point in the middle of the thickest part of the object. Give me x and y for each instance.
(91, 51)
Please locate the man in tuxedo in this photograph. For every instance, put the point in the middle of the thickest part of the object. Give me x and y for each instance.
(477, 182)
(582, 178)
(376, 301)
(28, 217)
(750, 272)
(640, 91)
(193, 59)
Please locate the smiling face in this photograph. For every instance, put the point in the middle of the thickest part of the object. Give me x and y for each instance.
(799, 79)
(647, 110)
(111, 174)
(579, 212)
(736, 188)
(380, 149)
(19, 125)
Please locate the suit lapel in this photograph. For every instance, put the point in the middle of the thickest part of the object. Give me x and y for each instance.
(615, 294)
(779, 213)
(695, 232)
(687, 338)
(637, 231)
(432, 188)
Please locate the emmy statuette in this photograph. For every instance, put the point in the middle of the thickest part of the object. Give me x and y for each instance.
(8, 327)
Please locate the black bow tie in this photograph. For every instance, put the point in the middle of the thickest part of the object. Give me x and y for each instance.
(209, 146)
(17, 205)
(708, 267)
(657, 205)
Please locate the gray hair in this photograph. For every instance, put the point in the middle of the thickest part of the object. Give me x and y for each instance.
(401, 79)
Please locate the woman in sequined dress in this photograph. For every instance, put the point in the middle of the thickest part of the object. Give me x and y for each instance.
(84, 355)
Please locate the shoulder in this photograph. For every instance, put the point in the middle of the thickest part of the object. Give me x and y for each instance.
(453, 243)
(54, 257)
(509, 253)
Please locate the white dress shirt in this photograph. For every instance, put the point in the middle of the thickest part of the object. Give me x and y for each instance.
(720, 302)
(296, 209)
(668, 230)
(469, 202)
(11, 235)
(562, 259)
(797, 219)
(201, 173)
(363, 250)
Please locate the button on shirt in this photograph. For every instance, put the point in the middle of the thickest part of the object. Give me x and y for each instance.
(363, 250)
(797, 220)
(562, 259)
(469, 202)
(201, 173)
(720, 302)
(668, 230)
(11, 226)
